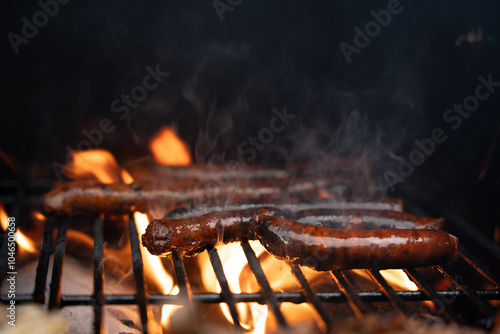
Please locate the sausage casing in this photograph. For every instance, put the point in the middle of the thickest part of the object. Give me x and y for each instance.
(324, 248)
(318, 247)
(364, 219)
(190, 236)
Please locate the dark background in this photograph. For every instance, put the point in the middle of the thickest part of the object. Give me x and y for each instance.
(227, 76)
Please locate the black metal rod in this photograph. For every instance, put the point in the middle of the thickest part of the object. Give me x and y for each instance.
(226, 293)
(269, 294)
(478, 265)
(184, 296)
(291, 297)
(57, 268)
(357, 305)
(394, 299)
(138, 268)
(309, 294)
(180, 275)
(431, 293)
(44, 261)
(467, 228)
(454, 278)
(185, 293)
(98, 296)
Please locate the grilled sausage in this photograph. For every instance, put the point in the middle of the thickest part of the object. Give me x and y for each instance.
(324, 248)
(358, 219)
(319, 247)
(190, 236)
(80, 197)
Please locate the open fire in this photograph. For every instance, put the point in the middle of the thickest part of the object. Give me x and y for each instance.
(251, 315)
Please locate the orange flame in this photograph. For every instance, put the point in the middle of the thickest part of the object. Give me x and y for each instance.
(281, 279)
(126, 177)
(167, 310)
(398, 279)
(254, 318)
(252, 315)
(155, 271)
(153, 265)
(168, 149)
(102, 165)
(38, 216)
(97, 163)
(23, 242)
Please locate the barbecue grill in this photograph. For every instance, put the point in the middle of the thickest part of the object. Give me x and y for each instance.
(17, 195)
(256, 83)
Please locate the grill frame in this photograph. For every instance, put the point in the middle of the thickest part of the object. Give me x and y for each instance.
(18, 193)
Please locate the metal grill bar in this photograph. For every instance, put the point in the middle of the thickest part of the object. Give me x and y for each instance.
(43, 262)
(226, 292)
(57, 269)
(269, 294)
(185, 293)
(142, 294)
(479, 266)
(310, 295)
(98, 296)
(292, 297)
(467, 228)
(180, 273)
(389, 292)
(415, 276)
(454, 278)
(358, 307)
(97, 300)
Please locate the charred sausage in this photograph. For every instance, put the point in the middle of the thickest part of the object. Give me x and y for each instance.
(190, 236)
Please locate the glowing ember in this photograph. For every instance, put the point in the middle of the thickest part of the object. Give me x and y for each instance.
(22, 241)
(97, 163)
(126, 177)
(322, 193)
(168, 149)
(39, 216)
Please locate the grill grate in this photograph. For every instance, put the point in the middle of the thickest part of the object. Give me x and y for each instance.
(361, 302)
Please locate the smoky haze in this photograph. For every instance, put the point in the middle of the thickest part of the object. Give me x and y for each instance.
(226, 78)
